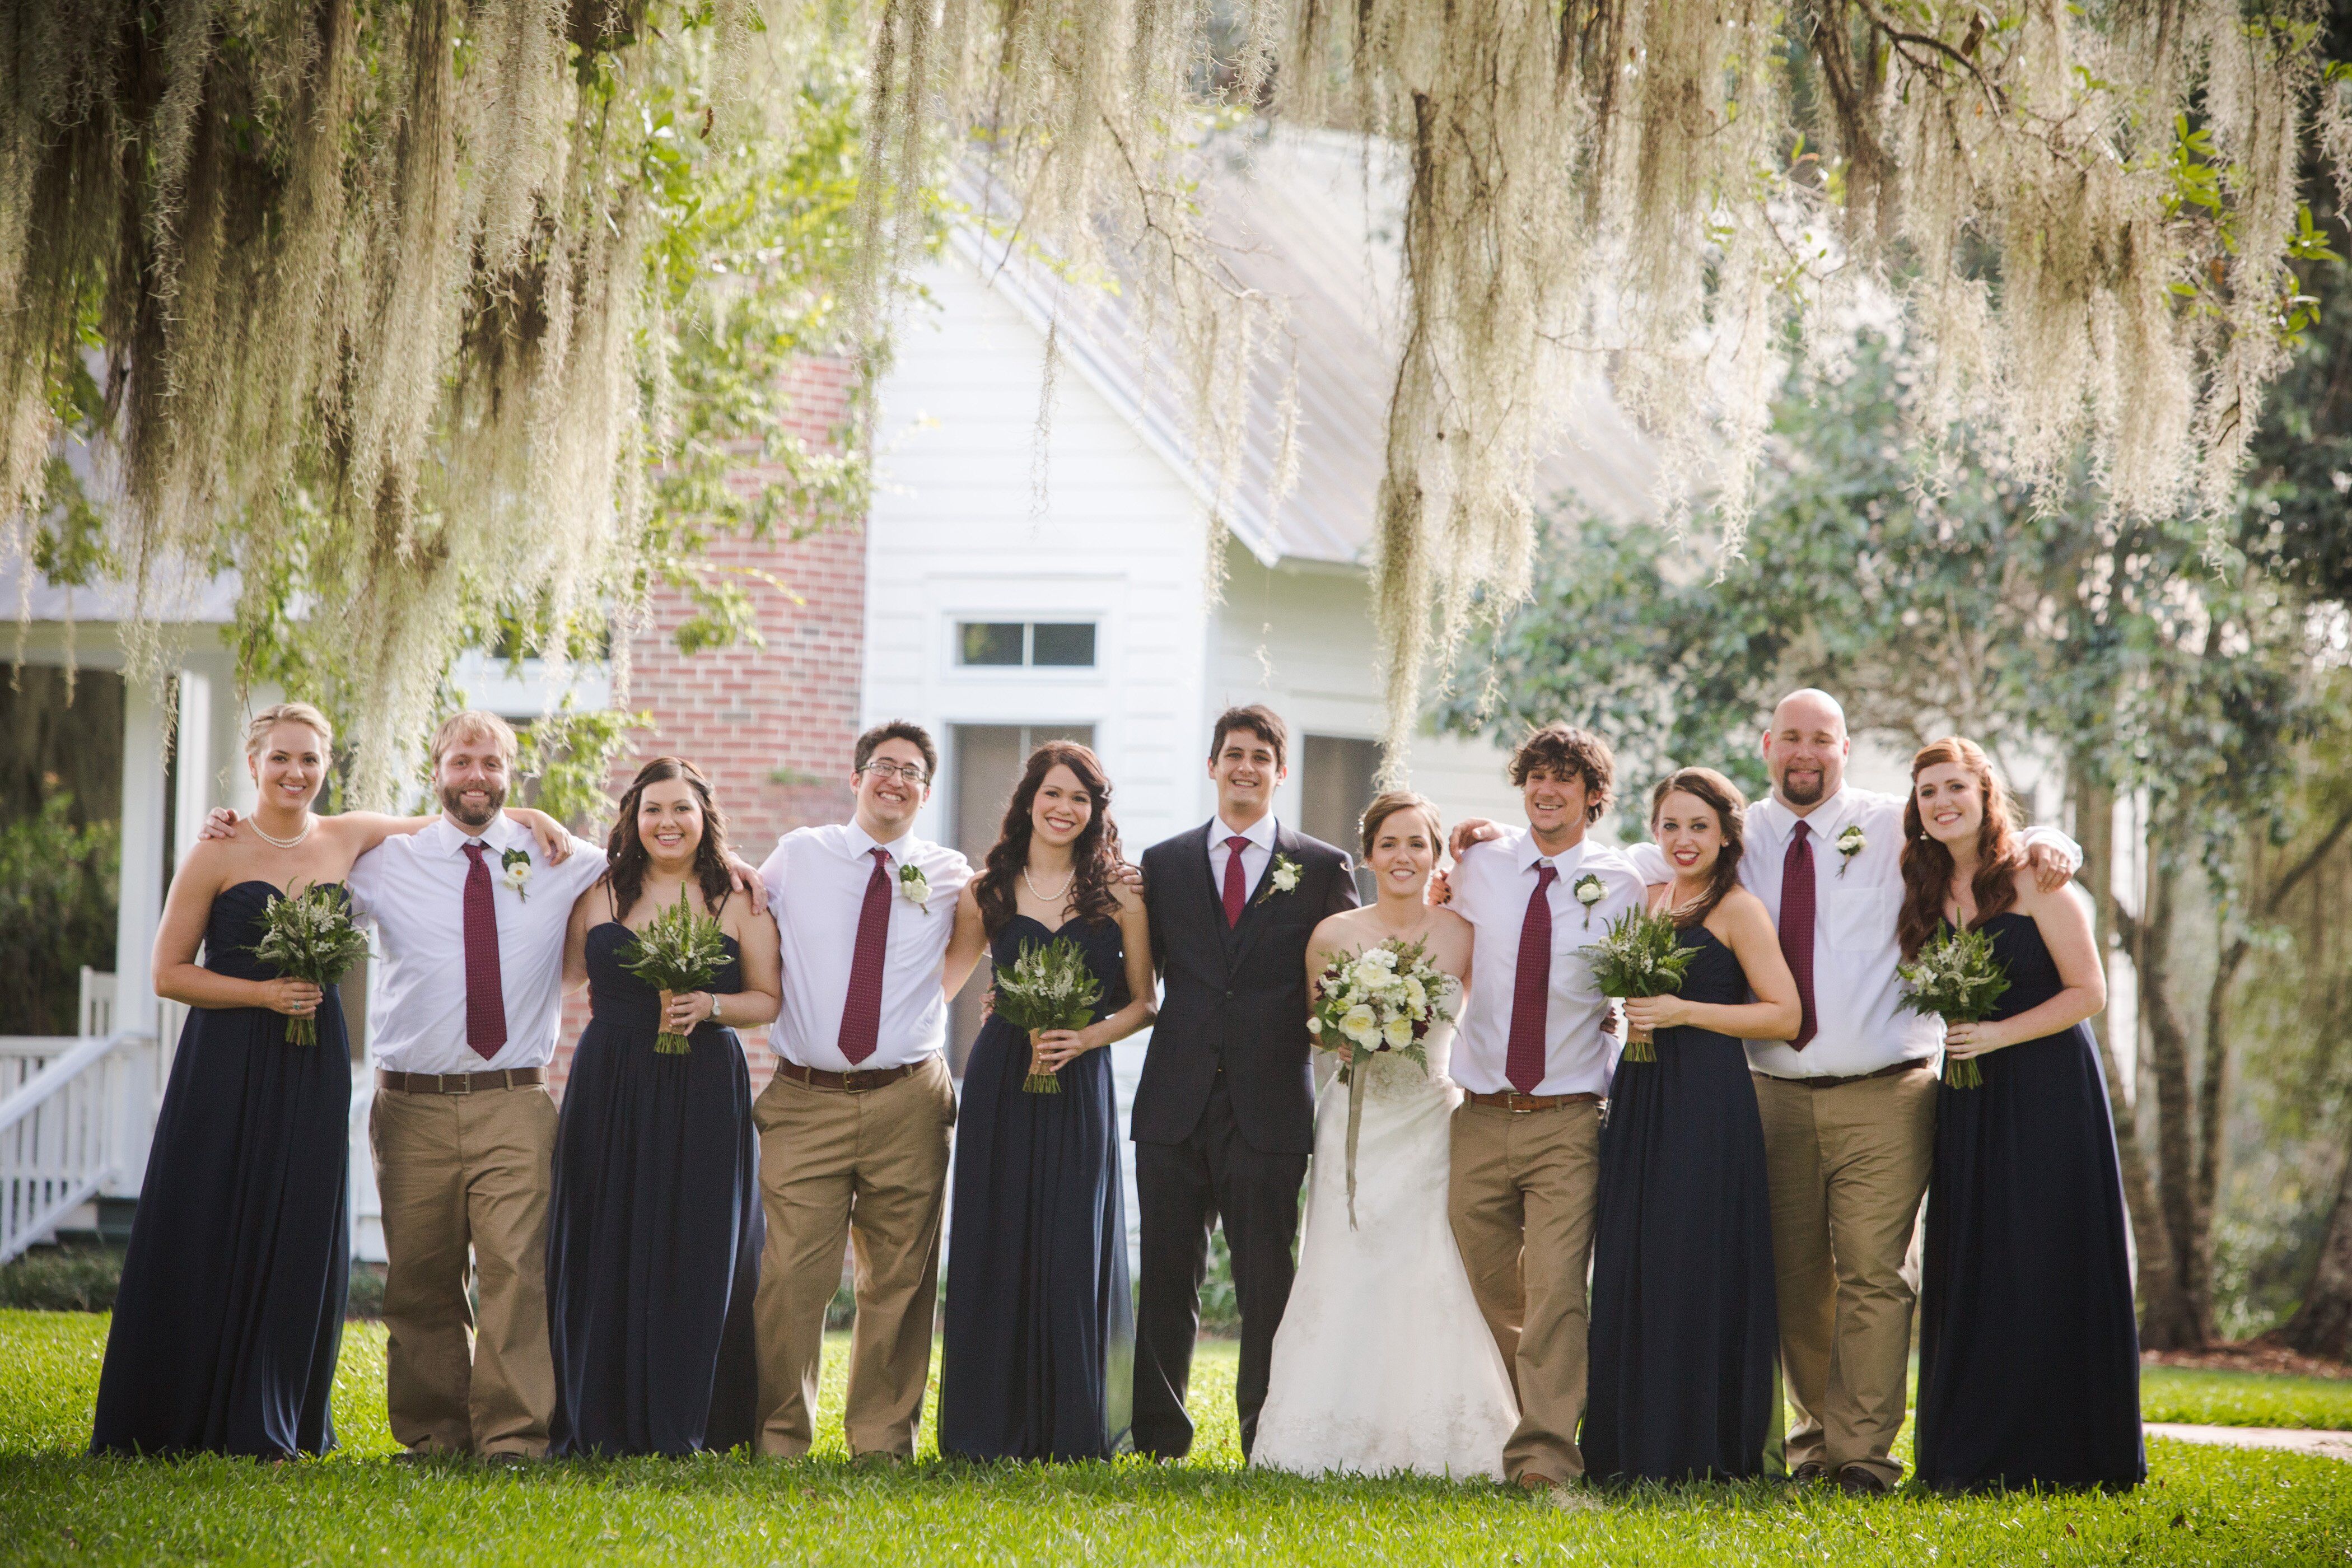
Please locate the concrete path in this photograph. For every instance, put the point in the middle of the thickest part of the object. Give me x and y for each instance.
(2326, 1445)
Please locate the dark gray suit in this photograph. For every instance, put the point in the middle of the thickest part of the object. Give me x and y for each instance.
(1225, 1115)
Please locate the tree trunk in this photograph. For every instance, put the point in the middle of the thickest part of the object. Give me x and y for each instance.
(2322, 1325)
(2212, 1121)
(2095, 817)
(2173, 1320)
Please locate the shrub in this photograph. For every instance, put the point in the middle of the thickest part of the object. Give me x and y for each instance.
(57, 914)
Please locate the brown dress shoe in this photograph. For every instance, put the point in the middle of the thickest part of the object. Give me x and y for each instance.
(1855, 1481)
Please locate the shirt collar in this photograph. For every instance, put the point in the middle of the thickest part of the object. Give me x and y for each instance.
(451, 839)
(1822, 822)
(1260, 833)
(1566, 861)
(861, 844)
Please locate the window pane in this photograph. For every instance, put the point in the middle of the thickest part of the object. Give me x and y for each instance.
(1063, 643)
(989, 642)
(1335, 787)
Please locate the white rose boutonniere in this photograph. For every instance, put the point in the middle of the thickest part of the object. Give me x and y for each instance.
(1851, 843)
(915, 887)
(514, 867)
(1589, 891)
(1284, 879)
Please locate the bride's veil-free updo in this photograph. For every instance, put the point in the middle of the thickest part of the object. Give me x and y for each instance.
(1387, 804)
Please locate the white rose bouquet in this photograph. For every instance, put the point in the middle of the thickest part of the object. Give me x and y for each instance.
(1384, 999)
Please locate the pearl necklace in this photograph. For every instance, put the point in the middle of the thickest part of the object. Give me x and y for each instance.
(1049, 898)
(308, 822)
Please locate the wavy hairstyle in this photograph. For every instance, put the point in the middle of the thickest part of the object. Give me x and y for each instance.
(1094, 856)
(627, 860)
(1720, 795)
(1927, 865)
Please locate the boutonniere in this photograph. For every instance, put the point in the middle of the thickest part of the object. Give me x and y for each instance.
(514, 865)
(1588, 892)
(915, 887)
(1284, 880)
(1850, 843)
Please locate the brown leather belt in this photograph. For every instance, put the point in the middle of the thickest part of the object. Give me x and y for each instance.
(1899, 1068)
(459, 1082)
(1520, 1104)
(853, 1082)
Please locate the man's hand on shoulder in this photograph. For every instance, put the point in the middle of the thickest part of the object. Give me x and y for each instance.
(2052, 867)
(1471, 830)
(220, 822)
(748, 881)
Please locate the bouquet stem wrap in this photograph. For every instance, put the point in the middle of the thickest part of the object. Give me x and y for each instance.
(1956, 978)
(1384, 999)
(1048, 987)
(1641, 955)
(681, 949)
(309, 936)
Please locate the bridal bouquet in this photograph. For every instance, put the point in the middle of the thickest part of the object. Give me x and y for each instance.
(1049, 986)
(309, 936)
(1385, 998)
(1641, 955)
(681, 949)
(1956, 978)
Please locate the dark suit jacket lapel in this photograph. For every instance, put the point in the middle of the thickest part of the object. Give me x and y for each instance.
(1204, 897)
(1255, 914)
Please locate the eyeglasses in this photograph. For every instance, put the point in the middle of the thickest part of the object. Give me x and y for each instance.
(910, 773)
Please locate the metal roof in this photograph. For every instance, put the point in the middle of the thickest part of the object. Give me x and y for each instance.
(1311, 219)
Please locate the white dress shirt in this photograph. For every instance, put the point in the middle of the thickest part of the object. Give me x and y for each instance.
(413, 889)
(1860, 1022)
(1255, 853)
(816, 890)
(1491, 885)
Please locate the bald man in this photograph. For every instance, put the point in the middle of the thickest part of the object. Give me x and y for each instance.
(1849, 1106)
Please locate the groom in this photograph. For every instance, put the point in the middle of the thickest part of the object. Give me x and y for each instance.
(1533, 1062)
(1225, 1115)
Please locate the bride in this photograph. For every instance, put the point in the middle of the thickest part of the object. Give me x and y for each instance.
(1382, 1362)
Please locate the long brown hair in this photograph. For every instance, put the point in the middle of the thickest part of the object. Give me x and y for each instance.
(625, 859)
(1927, 865)
(1721, 796)
(1094, 856)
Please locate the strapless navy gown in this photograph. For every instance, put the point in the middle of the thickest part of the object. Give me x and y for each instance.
(230, 1312)
(2028, 1353)
(1685, 1327)
(654, 1228)
(1039, 1348)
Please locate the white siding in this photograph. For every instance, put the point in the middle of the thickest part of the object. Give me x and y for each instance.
(956, 532)
(1299, 639)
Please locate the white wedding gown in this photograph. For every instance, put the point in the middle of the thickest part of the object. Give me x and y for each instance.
(1382, 1362)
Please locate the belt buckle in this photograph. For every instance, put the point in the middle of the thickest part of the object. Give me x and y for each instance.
(1519, 1104)
(849, 1081)
(464, 1082)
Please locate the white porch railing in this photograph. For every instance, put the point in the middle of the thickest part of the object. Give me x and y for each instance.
(70, 1126)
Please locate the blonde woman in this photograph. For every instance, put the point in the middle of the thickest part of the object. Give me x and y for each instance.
(231, 1307)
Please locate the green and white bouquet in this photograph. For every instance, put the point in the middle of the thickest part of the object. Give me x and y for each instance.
(309, 936)
(1956, 978)
(680, 950)
(1049, 986)
(1384, 999)
(1642, 955)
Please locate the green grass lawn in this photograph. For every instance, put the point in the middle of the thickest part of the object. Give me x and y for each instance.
(2202, 1505)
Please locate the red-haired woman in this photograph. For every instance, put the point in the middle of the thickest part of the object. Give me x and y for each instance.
(1040, 1329)
(2029, 1355)
(654, 1221)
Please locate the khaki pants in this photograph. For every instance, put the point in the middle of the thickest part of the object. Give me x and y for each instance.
(459, 1171)
(1521, 1199)
(867, 1169)
(1847, 1166)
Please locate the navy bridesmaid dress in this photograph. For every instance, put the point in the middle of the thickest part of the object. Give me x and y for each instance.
(654, 1228)
(1038, 1358)
(2029, 1353)
(1684, 1336)
(230, 1313)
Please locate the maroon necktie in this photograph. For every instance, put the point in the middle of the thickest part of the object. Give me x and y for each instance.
(1797, 925)
(1531, 991)
(486, 1003)
(1237, 890)
(861, 1016)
